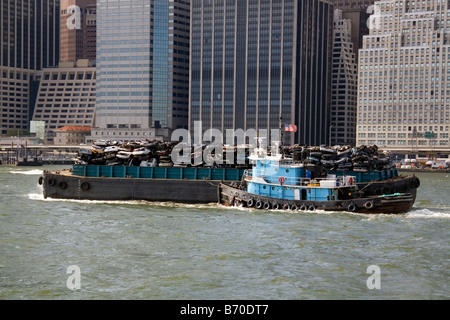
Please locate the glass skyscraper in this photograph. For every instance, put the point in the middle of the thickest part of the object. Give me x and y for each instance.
(142, 68)
(256, 61)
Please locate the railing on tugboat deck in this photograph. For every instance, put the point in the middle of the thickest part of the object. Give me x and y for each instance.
(254, 175)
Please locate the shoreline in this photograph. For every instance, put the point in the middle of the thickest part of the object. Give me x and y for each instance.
(424, 170)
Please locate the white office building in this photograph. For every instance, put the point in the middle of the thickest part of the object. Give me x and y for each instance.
(404, 77)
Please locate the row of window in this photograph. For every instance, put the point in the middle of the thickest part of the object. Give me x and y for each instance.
(385, 143)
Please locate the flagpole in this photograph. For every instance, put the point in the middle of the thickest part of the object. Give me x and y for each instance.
(281, 131)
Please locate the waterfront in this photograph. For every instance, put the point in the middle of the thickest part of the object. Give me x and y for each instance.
(139, 250)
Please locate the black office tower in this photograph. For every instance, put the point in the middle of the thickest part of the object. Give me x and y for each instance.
(255, 61)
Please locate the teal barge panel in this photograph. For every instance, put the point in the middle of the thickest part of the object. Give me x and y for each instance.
(364, 177)
(171, 173)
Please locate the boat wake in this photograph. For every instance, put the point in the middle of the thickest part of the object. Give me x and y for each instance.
(416, 212)
(29, 172)
(437, 212)
(40, 197)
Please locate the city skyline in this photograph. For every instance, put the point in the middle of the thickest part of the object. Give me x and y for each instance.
(163, 65)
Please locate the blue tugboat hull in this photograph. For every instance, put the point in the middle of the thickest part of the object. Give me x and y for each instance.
(386, 204)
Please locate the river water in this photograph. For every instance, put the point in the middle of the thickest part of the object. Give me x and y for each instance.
(168, 251)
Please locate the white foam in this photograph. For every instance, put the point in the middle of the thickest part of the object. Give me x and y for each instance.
(429, 213)
(30, 172)
(40, 197)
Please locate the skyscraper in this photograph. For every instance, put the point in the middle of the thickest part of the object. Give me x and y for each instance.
(343, 84)
(404, 77)
(256, 61)
(142, 68)
(29, 33)
(29, 42)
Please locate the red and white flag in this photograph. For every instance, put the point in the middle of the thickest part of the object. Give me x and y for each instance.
(290, 127)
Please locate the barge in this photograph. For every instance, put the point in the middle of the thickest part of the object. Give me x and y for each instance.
(186, 185)
(163, 184)
(99, 175)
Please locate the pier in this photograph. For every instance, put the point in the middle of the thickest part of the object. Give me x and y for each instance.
(24, 155)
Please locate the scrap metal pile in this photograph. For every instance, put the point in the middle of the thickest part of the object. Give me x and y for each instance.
(144, 154)
(157, 153)
(343, 158)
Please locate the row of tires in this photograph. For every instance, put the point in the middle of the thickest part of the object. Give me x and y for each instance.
(85, 186)
(259, 204)
(413, 183)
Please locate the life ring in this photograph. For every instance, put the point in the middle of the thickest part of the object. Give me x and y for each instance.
(51, 181)
(303, 208)
(259, 204)
(250, 203)
(281, 180)
(85, 186)
(351, 207)
(294, 207)
(275, 206)
(266, 205)
(62, 185)
(368, 205)
(40, 180)
(350, 181)
(312, 207)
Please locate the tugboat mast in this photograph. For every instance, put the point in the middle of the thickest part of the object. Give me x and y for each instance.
(281, 136)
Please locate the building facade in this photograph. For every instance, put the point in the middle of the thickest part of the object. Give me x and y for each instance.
(352, 4)
(29, 42)
(71, 136)
(404, 78)
(142, 68)
(78, 41)
(343, 84)
(66, 97)
(256, 61)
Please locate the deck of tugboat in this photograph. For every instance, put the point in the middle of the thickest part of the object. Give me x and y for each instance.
(331, 181)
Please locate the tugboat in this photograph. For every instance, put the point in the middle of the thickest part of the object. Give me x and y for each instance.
(278, 182)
